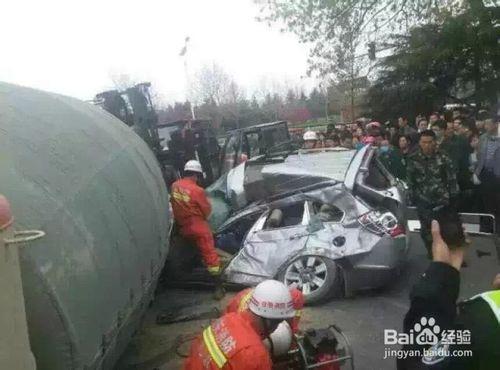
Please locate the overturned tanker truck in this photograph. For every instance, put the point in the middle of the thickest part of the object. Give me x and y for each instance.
(95, 189)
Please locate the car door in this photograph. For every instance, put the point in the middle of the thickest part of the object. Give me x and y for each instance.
(265, 249)
(229, 153)
(369, 179)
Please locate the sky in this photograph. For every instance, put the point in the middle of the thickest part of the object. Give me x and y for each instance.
(75, 47)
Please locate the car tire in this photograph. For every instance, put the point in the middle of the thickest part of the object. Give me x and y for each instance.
(318, 267)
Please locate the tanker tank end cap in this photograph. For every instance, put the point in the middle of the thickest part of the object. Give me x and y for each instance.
(6, 218)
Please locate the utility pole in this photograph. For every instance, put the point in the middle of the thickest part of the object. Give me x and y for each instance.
(352, 91)
(353, 59)
(183, 53)
(324, 87)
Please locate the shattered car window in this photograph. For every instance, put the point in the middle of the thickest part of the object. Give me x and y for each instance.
(327, 212)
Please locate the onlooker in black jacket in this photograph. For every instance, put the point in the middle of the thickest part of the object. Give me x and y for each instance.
(434, 298)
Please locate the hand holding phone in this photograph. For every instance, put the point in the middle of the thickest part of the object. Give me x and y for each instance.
(451, 227)
(441, 252)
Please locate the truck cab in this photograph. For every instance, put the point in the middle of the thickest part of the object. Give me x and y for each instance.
(187, 139)
(250, 142)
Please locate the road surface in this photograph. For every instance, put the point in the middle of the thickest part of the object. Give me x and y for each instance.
(363, 318)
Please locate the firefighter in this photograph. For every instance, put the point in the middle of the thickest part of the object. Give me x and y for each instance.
(245, 340)
(191, 210)
(239, 303)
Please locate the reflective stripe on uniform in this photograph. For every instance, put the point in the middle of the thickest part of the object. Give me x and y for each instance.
(180, 196)
(213, 348)
(214, 270)
(244, 301)
(298, 313)
(493, 299)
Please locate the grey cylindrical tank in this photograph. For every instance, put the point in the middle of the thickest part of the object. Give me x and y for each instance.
(86, 179)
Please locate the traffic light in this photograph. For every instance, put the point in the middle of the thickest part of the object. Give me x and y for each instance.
(371, 51)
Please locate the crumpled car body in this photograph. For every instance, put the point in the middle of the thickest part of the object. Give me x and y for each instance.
(311, 216)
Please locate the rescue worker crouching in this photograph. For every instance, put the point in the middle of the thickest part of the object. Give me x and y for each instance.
(245, 340)
(240, 301)
(191, 210)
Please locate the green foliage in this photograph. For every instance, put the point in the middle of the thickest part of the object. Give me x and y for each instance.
(453, 60)
(316, 103)
(295, 107)
(335, 28)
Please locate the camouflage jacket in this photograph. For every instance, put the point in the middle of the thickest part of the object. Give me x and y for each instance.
(432, 180)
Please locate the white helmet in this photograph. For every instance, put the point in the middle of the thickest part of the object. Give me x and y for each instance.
(280, 340)
(271, 299)
(193, 166)
(310, 135)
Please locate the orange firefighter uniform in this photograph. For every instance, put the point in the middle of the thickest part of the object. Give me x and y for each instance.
(239, 303)
(191, 210)
(229, 343)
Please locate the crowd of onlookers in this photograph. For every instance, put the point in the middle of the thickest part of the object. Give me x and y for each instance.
(471, 142)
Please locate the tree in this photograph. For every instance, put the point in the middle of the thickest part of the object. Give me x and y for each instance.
(334, 29)
(453, 60)
(316, 103)
(291, 97)
(122, 81)
(329, 24)
(237, 111)
(232, 103)
(217, 95)
(211, 84)
(175, 112)
(296, 114)
(272, 107)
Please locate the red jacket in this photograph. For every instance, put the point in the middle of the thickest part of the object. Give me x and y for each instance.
(189, 202)
(239, 303)
(229, 343)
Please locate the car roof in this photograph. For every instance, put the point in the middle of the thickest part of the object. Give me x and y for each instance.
(328, 164)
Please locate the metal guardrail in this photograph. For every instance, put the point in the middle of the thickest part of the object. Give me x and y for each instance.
(470, 227)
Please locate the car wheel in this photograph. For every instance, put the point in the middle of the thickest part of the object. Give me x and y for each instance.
(319, 278)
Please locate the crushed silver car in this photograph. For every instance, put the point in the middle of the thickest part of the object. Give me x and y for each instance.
(330, 222)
